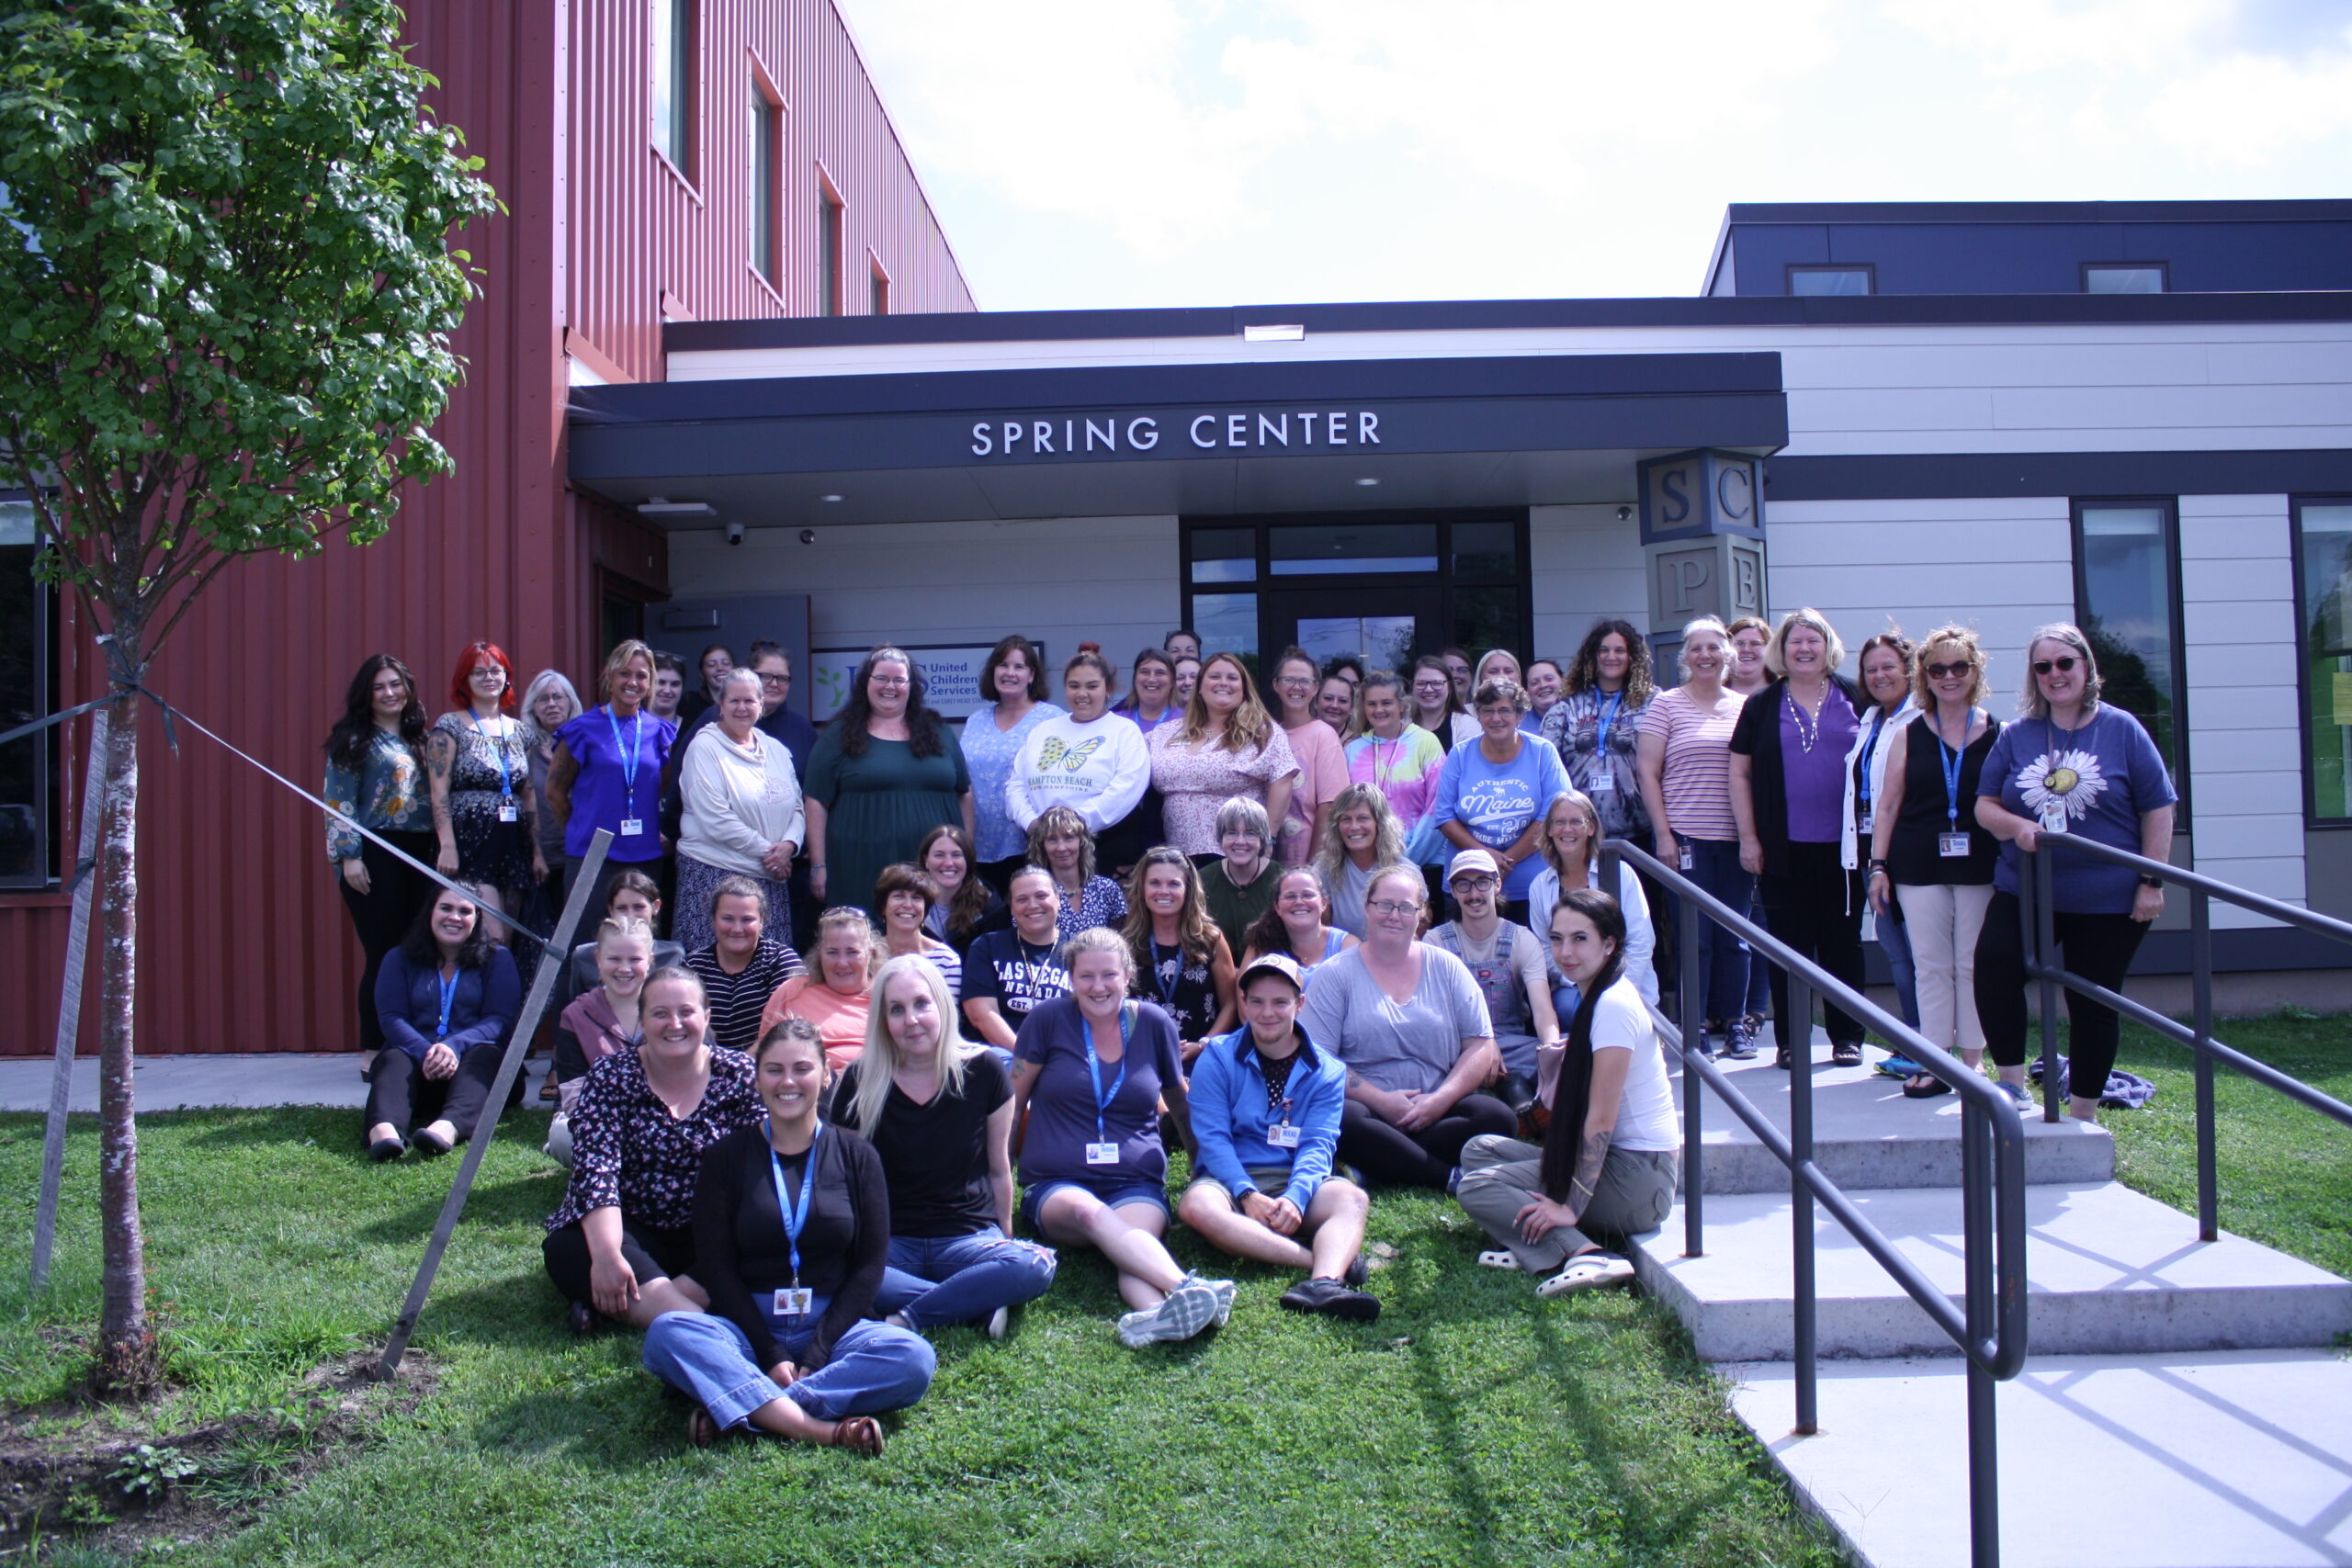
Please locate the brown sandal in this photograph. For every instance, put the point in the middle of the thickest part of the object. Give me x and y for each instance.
(702, 1429)
(860, 1435)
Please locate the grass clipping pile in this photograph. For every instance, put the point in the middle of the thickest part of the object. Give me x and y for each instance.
(94, 1474)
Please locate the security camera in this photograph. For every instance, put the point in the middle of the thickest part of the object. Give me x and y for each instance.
(734, 533)
(807, 536)
(1625, 515)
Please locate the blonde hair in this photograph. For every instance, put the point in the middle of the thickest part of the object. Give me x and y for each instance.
(625, 653)
(2031, 702)
(1951, 636)
(1550, 851)
(1776, 652)
(1387, 833)
(1247, 730)
(1100, 939)
(618, 928)
(881, 1060)
(844, 917)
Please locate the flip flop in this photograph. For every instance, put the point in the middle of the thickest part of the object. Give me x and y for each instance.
(860, 1435)
(1921, 1086)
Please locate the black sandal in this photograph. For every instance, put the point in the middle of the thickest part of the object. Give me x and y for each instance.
(860, 1435)
(1924, 1085)
(1848, 1055)
(702, 1429)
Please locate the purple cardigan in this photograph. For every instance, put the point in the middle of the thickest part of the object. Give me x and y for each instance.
(408, 1003)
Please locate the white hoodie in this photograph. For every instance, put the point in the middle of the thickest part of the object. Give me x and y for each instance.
(1099, 769)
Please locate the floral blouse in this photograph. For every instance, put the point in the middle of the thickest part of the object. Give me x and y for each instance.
(387, 793)
(1100, 903)
(629, 1152)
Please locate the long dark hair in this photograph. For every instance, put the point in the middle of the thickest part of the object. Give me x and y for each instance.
(422, 951)
(969, 905)
(1572, 1096)
(348, 741)
(922, 725)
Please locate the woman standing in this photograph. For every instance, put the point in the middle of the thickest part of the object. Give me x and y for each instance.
(742, 818)
(1571, 852)
(967, 906)
(1089, 1074)
(1608, 1162)
(1240, 886)
(1188, 680)
(447, 998)
(995, 735)
(2072, 764)
(939, 1111)
(1335, 704)
(1314, 745)
(837, 999)
(484, 813)
(622, 1244)
(1684, 757)
(1885, 662)
(1227, 745)
(668, 688)
(1502, 664)
(606, 771)
(1491, 796)
(1437, 704)
(1088, 760)
(711, 667)
(1181, 959)
(1403, 759)
(548, 703)
(1750, 637)
(1364, 835)
(1545, 684)
(886, 773)
(1151, 692)
(1788, 793)
(908, 897)
(1297, 927)
(792, 1233)
(1927, 850)
(1058, 842)
(1595, 727)
(376, 776)
(743, 964)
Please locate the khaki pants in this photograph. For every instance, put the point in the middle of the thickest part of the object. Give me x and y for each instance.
(1502, 1176)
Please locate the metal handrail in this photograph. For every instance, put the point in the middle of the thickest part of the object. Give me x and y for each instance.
(1990, 1327)
(2039, 914)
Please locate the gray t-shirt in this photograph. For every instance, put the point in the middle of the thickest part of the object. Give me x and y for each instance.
(1411, 1047)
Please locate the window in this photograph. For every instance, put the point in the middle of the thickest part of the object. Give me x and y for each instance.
(2323, 610)
(1838, 280)
(2127, 600)
(27, 693)
(673, 82)
(878, 298)
(767, 137)
(2125, 277)
(829, 248)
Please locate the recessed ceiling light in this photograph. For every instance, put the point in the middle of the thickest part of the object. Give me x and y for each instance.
(671, 510)
(1285, 331)
(1367, 481)
(829, 497)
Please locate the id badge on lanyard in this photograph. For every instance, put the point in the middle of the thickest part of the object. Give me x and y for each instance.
(1952, 846)
(1282, 1135)
(795, 1302)
(1104, 1150)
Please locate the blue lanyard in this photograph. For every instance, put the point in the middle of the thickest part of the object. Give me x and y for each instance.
(1609, 707)
(1870, 750)
(448, 998)
(498, 750)
(1951, 760)
(795, 1215)
(628, 754)
(1094, 1067)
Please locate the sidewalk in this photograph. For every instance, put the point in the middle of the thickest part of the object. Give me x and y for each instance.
(197, 1082)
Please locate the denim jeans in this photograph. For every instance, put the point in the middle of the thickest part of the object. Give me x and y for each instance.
(1723, 957)
(1895, 941)
(707, 1357)
(961, 1278)
(1759, 970)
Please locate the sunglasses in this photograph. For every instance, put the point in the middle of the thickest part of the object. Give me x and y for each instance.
(1945, 672)
(2064, 661)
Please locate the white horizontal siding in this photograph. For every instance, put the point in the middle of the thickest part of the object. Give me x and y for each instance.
(2245, 751)
(1584, 566)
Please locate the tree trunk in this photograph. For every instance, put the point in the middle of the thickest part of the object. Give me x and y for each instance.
(127, 1364)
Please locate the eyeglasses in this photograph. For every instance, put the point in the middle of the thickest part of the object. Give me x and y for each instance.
(1296, 681)
(1391, 907)
(884, 683)
(1946, 672)
(2064, 661)
(775, 680)
(1475, 885)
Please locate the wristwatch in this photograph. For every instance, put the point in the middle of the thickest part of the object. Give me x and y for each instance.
(2155, 882)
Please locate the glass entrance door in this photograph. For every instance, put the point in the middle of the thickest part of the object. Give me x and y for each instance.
(1384, 626)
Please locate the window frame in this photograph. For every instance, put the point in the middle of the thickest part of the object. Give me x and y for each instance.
(1789, 271)
(768, 138)
(877, 292)
(2168, 507)
(685, 113)
(2313, 821)
(47, 795)
(2162, 269)
(832, 244)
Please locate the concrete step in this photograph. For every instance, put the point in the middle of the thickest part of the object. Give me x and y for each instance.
(1866, 1134)
(2237, 1458)
(2110, 1272)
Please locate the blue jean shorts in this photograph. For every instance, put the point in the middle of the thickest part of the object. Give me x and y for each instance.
(1111, 1194)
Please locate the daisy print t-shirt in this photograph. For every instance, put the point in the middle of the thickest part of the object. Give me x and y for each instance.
(2095, 782)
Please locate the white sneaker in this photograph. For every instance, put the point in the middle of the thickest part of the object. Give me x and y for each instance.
(1189, 1307)
(1587, 1270)
(997, 1322)
(1225, 1292)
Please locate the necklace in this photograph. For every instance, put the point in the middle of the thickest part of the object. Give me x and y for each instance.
(1808, 725)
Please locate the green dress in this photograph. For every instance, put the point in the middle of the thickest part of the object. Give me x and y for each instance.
(1235, 909)
(879, 807)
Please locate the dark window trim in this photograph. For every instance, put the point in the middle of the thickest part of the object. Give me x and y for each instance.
(680, 161)
(2161, 268)
(1788, 277)
(832, 248)
(48, 830)
(2313, 821)
(767, 99)
(878, 285)
(2169, 505)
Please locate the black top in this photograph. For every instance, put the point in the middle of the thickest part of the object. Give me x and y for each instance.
(1756, 735)
(741, 1253)
(936, 1156)
(1002, 967)
(1181, 982)
(1912, 855)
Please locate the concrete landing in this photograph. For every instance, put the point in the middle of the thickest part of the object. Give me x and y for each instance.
(2110, 1272)
(197, 1082)
(1866, 1134)
(2222, 1460)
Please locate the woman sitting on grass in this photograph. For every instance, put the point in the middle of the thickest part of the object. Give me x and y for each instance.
(602, 1023)
(939, 1111)
(1606, 1169)
(839, 995)
(447, 998)
(792, 1231)
(621, 1245)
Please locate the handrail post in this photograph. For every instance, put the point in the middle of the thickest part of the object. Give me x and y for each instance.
(1690, 984)
(2043, 941)
(1979, 1304)
(2201, 957)
(1799, 1023)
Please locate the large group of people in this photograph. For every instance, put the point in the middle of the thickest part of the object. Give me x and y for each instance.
(936, 1001)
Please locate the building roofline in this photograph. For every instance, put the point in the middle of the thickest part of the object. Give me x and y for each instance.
(2295, 211)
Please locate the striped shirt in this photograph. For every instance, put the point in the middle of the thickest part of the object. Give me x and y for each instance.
(736, 999)
(1696, 781)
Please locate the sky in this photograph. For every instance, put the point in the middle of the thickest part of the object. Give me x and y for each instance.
(1100, 153)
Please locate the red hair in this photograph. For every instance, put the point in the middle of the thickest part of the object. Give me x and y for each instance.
(477, 654)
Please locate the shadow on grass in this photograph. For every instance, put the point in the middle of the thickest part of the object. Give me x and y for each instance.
(518, 1200)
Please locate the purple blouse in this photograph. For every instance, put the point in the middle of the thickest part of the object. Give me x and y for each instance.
(1816, 776)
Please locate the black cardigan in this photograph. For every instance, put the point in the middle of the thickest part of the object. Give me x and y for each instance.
(740, 1248)
(1756, 737)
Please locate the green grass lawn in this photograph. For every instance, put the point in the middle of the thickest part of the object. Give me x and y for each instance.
(1471, 1425)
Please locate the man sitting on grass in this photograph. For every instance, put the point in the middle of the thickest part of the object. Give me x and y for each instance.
(1266, 1108)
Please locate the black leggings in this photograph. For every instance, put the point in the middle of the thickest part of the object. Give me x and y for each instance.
(2097, 947)
(1814, 906)
(382, 915)
(400, 1093)
(1390, 1157)
(652, 1252)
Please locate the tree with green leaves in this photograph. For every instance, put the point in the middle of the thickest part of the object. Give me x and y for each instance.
(227, 293)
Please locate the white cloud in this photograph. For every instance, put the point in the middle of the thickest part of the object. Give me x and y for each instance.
(2248, 109)
(2014, 37)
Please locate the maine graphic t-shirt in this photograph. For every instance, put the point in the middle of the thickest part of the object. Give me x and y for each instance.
(1497, 800)
(2094, 782)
